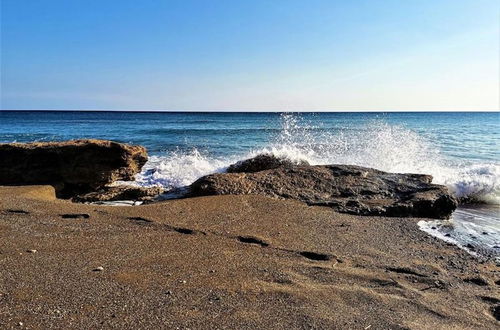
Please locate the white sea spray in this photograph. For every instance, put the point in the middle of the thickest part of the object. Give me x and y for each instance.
(376, 144)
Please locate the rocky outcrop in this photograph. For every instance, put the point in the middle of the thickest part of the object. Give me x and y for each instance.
(72, 167)
(120, 193)
(345, 188)
(261, 163)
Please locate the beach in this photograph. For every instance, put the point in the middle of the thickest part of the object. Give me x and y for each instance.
(341, 227)
(459, 149)
(230, 262)
(194, 165)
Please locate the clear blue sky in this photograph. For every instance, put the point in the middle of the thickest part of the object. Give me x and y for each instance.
(250, 55)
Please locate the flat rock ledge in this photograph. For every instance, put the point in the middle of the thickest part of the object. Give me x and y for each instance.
(120, 193)
(73, 167)
(345, 188)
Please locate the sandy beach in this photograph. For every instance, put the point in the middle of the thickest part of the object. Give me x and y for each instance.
(248, 165)
(230, 262)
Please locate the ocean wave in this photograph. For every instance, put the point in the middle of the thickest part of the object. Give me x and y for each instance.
(376, 144)
(178, 168)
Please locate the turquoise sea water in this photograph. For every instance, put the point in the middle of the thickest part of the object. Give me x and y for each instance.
(460, 150)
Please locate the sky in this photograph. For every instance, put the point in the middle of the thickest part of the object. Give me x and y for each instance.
(262, 55)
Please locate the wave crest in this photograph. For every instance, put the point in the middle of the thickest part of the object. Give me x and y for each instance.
(178, 169)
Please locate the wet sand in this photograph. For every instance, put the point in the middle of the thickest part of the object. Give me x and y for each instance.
(230, 262)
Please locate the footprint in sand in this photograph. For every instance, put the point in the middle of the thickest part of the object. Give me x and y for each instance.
(316, 256)
(185, 231)
(252, 240)
(140, 220)
(18, 211)
(405, 270)
(75, 216)
(477, 281)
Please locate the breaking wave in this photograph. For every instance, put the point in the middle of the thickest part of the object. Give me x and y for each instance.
(376, 144)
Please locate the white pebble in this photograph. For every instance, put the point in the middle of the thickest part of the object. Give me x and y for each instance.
(99, 269)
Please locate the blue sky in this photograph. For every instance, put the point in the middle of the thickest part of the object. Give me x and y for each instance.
(250, 55)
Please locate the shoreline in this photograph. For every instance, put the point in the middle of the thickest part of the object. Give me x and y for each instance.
(239, 261)
(469, 229)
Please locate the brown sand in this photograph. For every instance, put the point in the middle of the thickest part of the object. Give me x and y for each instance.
(191, 264)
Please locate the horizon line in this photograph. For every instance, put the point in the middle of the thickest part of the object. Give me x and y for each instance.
(241, 111)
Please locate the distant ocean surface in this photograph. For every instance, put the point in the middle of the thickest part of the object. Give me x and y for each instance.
(460, 149)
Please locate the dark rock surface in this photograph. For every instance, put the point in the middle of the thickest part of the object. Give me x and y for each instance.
(261, 163)
(345, 188)
(120, 193)
(72, 167)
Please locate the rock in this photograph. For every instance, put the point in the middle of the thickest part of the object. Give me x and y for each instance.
(345, 188)
(31, 251)
(120, 193)
(72, 167)
(261, 163)
(98, 269)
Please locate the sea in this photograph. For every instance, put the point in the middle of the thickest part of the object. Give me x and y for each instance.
(459, 149)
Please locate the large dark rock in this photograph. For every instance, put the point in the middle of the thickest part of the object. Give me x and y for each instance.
(345, 188)
(72, 167)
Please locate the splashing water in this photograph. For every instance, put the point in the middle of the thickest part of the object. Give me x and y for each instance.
(389, 148)
(376, 144)
(178, 169)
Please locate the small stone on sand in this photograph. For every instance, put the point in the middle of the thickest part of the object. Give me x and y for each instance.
(31, 251)
(99, 269)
